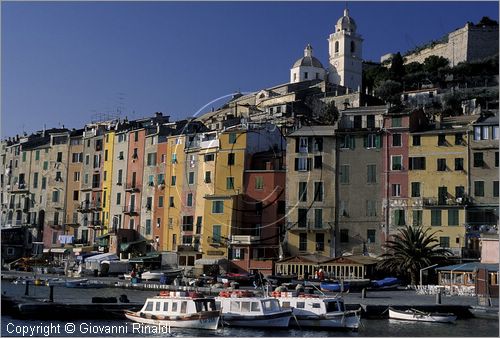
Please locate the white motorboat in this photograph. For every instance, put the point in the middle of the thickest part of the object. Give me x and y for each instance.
(420, 316)
(240, 308)
(175, 309)
(318, 311)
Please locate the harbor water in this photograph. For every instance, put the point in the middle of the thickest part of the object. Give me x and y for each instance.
(466, 327)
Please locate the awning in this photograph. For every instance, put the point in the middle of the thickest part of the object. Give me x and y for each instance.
(60, 250)
(109, 256)
(210, 261)
(128, 245)
(147, 258)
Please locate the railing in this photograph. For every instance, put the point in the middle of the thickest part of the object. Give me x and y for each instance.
(129, 209)
(482, 228)
(434, 201)
(131, 187)
(209, 144)
(87, 206)
(244, 239)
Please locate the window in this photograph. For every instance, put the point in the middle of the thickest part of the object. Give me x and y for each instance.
(303, 241)
(371, 173)
(303, 191)
(396, 190)
(318, 144)
(441, 140)
(459, 138)
(217, 207)
(55, 196)
(436, 217)
(118, 198)
(44, 183)
(306, 75)
(416, 140)
(496, 159)
(494, 134)
(495, 188)
(174, 158)
(148, 227)
(259, 182)
(209, 157)
(151, 160)
(216, 233)
(320, 242)
(191, 177)
(303, 145)
(344, 174)
(302, 164)
(485, 133)
(372, 141)
(396, 140)
(37, 155)
(344, 235)
(417, 217)
(441, 164)
(46, 165)
(75, 195)
(348, 142)
(397, 162)
(442, 195)
(208, 178)
(459, 164)
(396, 122)
(417, 163)
(415, 189)
(59, 156)
(230, 183)
(478, 159)
(230, 159)
(336, 46)
(318, 218)
(35, 180)
(173, 180)
(302, 218)
(459, 191)
(232, 138)
(160, 201)
(399, 217)
(371, 209)
(444, 242)
(370, 235)
(343, 208)
(318, 191)
(318, 162)
(452, 217)
(479, 188)
(171, 201)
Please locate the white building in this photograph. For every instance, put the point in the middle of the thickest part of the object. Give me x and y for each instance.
(307, 68)
(345, 49)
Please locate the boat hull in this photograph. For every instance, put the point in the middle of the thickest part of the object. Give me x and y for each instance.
(278, 320)
(339, 321)
(208, 321)
(422, 317)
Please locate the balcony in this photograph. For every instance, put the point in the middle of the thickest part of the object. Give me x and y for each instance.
(209, 144)
(307, 226)
(95, 224)
(130, 210)
(19, 188)
(187, 247)
(244, 239)
(435, 201)
(217, 242)
(131, 187)
(87, 206)
(476, 230)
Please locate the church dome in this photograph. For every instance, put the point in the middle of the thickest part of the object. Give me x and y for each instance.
(308, 60)
(346, 23)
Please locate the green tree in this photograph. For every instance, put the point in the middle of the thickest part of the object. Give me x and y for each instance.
(397, 70)
(329, 114)
(410, 250)
(389, 91)
(433, 63)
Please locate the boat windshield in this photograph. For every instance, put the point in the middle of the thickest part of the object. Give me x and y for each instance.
(204, 305)
(270, 305)
(334, 306)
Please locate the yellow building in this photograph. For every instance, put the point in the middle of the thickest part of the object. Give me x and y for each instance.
(174, 178)
(107, 179)
(437, 178)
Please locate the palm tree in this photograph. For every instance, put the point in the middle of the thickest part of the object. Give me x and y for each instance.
(412, 249)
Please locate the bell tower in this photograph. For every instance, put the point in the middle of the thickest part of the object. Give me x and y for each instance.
(345, 50)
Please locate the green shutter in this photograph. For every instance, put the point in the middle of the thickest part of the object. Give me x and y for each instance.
(378, 141)
(365, 141)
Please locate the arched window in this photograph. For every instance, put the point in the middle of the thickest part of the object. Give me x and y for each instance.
(336, 46)
(353, 47)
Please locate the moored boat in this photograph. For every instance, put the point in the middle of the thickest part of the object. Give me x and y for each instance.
(175, 309)
(420, 316)
(84, 284)
(486, 312)
(334, 286)
(318, 311)
(387, 283)
(239, 308)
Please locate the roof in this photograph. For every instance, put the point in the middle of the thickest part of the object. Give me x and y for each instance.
(469, 267)
(487, 120)
(314, 131)
(309, 258)
(346, 22)
(307, 61)
(105, 256)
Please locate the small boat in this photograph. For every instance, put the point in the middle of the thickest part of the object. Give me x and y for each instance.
(157, 274)
(334, 286)
(239, 308)
(486, 312)
(420, 316)
(240, 278)
(176, 309)
(387, 283)
(318, 311)
(84, 284)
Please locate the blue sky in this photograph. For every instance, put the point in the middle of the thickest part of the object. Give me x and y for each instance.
(63, 62)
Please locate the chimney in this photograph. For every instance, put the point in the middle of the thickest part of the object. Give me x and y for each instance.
(269, 165)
